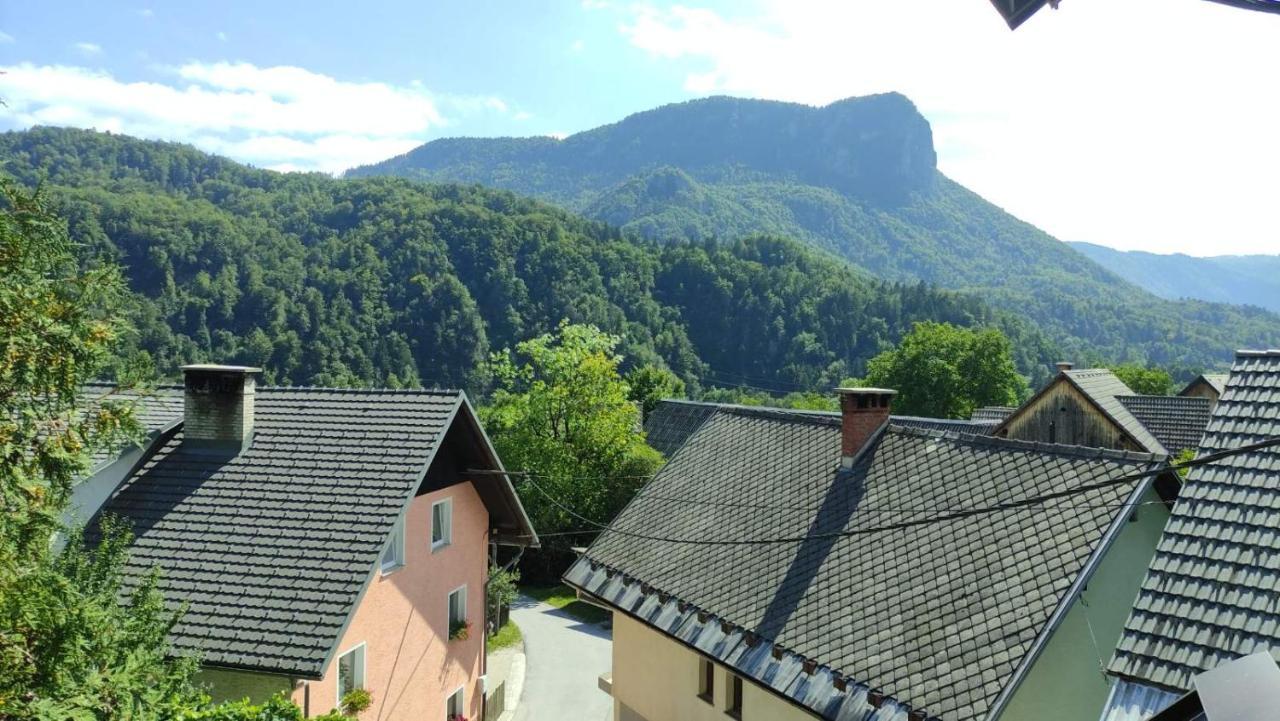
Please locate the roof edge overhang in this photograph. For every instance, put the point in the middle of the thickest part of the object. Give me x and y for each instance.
(739, 648)
(1073, 592)
(528, 537)
(306, 675)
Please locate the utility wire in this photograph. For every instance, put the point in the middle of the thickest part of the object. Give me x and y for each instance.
(941, 518)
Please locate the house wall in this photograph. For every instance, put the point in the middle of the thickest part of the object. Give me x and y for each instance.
(411, 666)
(224, 685)
(1063, 415)
(656, 679)
(1066, 682)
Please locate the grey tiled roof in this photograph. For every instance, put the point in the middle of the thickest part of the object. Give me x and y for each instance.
(992, 413)
(155, 409)
(1177, 422)
(272, 548)
(1104, 388)
(672, 421)
(1212, 592)
(938, 615)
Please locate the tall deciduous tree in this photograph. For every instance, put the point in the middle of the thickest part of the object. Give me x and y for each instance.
(561, 413)
(69, 649)
(944, 371)
(1145, 381)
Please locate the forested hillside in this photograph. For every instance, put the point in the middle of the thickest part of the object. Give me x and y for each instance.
(1240, 279)
(383, 280)
(859, 178)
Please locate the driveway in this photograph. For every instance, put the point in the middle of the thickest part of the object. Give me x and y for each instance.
(564, 658)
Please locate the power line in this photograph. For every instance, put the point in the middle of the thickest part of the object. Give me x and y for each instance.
(955, 515)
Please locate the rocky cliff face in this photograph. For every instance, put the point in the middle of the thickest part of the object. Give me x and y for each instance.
(877, 148)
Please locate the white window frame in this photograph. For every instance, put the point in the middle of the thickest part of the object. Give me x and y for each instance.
(461, 693)
(449, 604)
(360, 669)
(397, 545)
(446, 536)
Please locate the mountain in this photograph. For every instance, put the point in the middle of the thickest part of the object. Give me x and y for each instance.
(1239, 279)
(387, 281)
(857, 178)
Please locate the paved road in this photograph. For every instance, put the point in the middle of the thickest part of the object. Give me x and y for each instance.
(564, 659)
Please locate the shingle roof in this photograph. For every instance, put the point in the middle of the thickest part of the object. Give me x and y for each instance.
(1104, 388)
(1177, 422)
(992, 413)
(672, 421)
(1212, 592)
(1217, 381)
(938, 615)
(155, 409)
(272, 548)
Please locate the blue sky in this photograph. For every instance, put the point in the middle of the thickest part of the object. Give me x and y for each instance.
(1130, 123)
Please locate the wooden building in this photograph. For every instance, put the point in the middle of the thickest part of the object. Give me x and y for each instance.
(1081, 408)
(1206, 385)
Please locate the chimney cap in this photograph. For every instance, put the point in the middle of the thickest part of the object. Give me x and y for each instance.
(220, 368)
(1064, 365)
(866, 391)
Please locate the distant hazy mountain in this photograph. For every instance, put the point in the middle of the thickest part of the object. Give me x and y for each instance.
(857, 178)
(1240, 279)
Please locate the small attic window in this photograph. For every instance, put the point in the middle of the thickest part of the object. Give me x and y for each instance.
(441, 524)
(393, 556)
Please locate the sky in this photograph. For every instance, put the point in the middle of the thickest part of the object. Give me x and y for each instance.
(1136, 124)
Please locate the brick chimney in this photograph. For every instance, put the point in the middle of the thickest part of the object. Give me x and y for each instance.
(1064, 366)
(218, 407)
(862, 412)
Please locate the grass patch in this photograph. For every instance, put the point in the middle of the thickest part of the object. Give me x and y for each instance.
(506, 637)
(563, 598)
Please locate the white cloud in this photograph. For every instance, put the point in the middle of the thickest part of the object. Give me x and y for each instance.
(1133, 124)
(88, 49)
(5, 38)
(146, 12)
(521, 115)
(221, 36)
(280, 117)
(577, 46)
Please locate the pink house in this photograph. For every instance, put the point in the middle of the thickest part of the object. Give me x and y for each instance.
(324, 540)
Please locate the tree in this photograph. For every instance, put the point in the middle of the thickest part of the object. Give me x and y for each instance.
(68, 647)
(650, 384)
(1145, 381)
(561, 413)
(944, 371)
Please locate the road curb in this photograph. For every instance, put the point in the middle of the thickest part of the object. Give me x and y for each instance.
(515, 684)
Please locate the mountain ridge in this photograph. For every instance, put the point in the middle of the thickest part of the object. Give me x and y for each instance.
(1237, 279)
(857, 178)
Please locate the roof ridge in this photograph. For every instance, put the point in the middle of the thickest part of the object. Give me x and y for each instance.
(1057, 449)
(1268, 353)
(380, 391)
(792, 415)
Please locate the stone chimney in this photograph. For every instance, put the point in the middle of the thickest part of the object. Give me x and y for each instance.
(218, 407)
(1064, 366)
(862, 412)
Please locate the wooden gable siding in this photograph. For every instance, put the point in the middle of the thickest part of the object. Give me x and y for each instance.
(1062, 414)
(1200, 388)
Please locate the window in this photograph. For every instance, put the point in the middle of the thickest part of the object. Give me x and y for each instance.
(350, 671)
(441, 523)
(393, 557)
(458, 613)
(706, 679)
(734, 705)
(455, 708)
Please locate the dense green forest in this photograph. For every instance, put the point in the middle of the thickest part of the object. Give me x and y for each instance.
(383, 280)
(858, 178)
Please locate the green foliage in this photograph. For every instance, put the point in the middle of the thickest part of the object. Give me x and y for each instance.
(276, 708)
(561, 413)
(943, 371)
(650, 384)
(502, 589)
(1185, 455)
(855, 178)
(506, 637)
(800, 400)
(387, 282)
(566, 599)
(1145, 381)
(355, 701)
